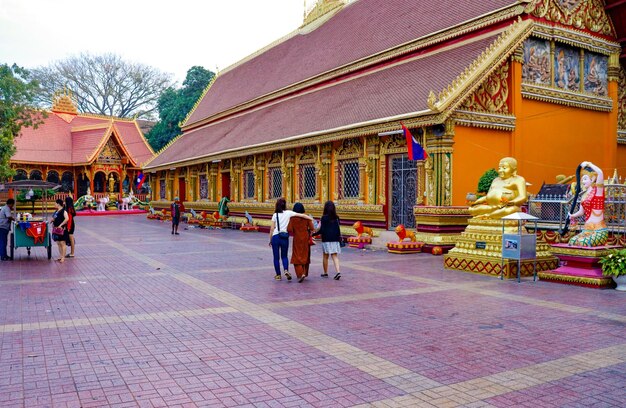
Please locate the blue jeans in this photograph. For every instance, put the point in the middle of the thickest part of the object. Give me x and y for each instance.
(4, 234)
(282, 246)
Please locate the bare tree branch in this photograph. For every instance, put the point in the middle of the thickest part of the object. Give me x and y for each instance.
(104, 84)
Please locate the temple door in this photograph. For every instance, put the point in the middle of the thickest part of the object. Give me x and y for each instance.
(182, 189)
(403, 191)
(225, 185)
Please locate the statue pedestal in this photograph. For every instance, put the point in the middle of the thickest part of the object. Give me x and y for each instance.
(579, 266)
(404, 247)
(479, 250)
(359, 242)
(439, 226)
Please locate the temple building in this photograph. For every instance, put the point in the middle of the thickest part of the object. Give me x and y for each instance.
(81, 152)
(317, 115)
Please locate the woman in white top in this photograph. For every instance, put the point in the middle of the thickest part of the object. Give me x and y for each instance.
(279, 237)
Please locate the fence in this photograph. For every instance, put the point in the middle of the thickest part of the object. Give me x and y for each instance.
(552, 210)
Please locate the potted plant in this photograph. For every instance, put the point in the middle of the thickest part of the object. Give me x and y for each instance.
(614, 265)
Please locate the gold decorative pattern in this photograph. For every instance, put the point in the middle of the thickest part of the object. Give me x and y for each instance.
(109, 154)
(582, 14)
(621, 99)
(322, 7)
(435, 210)
(63, 102)
(621, 136)
(600, 281)
(484, 120)
(575, 38)
(350, 149)
(492, 94)
(308, 155)
(195, 105)
(502, 47)
(568, 98)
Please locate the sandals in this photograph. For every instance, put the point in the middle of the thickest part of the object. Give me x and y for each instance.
(338, 276)
(277, 277)
(324, 275)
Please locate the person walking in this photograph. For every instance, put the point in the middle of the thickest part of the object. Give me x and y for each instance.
(300, 229)
(5, 226)
(279, 237)
(71, 225)
(176, 209)
(331, 238)
(60, 218)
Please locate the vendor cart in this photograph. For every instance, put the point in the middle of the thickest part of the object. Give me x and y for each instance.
(33, 232)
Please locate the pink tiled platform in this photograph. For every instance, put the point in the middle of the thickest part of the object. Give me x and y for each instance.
(142, 318)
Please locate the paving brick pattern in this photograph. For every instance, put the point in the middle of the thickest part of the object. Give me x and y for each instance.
(142, 318)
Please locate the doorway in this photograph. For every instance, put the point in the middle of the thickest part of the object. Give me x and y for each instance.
(225, 186)
(403, 191)
(182, 192)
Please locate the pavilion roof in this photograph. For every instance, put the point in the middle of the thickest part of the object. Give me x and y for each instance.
(384, 93)
(70, 139)
(360, 30)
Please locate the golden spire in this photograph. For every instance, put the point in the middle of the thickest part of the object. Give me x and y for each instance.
(321, 8)
(62, 102)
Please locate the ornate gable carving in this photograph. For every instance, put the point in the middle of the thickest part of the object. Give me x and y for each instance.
(308, 154)
(492, 95)
(582, 14)
(110, 153)
(393, 144)
(621, 100)
(275, 159)
(349, 149)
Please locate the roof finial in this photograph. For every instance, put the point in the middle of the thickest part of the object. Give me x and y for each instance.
(62, 101)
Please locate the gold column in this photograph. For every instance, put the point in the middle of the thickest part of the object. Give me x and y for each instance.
(325, 161)
(371, 166)
(212, 179)
(288, 163)
(439, 166)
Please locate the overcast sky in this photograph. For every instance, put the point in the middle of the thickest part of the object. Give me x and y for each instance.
(169, 35)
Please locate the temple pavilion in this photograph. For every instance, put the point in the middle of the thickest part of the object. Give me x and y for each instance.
(81, 152)
(317, 115)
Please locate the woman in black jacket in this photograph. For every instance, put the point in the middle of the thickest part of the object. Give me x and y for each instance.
(331, 238)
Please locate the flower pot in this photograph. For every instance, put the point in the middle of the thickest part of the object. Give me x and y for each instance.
(620, 281)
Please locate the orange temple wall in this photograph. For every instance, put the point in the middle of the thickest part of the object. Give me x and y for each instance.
(554, 139)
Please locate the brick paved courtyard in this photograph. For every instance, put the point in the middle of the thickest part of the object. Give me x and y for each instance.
(144, 318)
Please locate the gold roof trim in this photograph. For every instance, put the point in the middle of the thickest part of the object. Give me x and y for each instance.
(322, 11)
(90, 127)
(195, 105)
(485, 64)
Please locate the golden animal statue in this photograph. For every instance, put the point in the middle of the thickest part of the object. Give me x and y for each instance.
(361, 229)
(506, 194)
(218, 217)
(403, 233)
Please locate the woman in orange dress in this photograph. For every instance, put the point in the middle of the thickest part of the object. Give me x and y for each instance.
(301, 229)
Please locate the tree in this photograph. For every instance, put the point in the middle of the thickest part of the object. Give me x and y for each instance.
(17, 100)
(175, 104)
(105, 84)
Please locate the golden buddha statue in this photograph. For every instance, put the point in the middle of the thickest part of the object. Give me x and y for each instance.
(506, 194)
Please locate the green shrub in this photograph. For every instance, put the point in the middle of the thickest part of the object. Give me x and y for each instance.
(614, 264)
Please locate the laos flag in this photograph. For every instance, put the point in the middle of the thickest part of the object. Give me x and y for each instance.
(414, 149)
(140, 180)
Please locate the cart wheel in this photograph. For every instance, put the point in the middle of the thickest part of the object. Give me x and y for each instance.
(49, 251)
(28, 250)
(12, 244)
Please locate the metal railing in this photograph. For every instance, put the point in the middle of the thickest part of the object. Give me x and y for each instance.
(552, 210)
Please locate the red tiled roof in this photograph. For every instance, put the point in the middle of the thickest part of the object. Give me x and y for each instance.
(59, 142)
(361, 29)
(392, 91)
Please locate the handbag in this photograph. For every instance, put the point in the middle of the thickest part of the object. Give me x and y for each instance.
(281, 235)
(58, 230)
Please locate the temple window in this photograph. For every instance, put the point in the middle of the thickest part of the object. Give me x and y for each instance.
(308, 181)
(36, 175)
(20, 175)
(204, 187)
(348, 179)
(99, 182)
(276, 183)
(67, 181)
(248, 184)
(52, 177)
(162, 189)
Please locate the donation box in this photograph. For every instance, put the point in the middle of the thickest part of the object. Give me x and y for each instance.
(519, 246)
